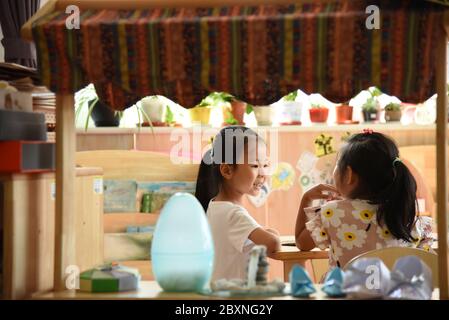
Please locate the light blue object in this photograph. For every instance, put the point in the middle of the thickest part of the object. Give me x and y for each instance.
(182, 250)
(146, 229)
(333, 284)
(132, 229)
(300, 283)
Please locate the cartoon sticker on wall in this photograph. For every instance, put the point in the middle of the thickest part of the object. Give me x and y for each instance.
(345, 137)
(323, 145)
(283, 176)
(314, 170)
(306, 162)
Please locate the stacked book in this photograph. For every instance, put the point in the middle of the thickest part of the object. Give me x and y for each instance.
(43, 100)
(23, 137)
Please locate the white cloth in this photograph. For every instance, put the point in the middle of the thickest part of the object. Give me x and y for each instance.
(231, 225)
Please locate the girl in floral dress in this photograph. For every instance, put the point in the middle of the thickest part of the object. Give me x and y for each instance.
(372, 205)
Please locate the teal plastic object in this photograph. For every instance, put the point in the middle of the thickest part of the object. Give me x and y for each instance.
(182, 250)
(300, 283)
(333, 284)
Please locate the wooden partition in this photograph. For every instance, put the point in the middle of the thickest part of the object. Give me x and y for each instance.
(29, 229)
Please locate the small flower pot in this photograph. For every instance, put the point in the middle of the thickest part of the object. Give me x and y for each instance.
(344, 113)
(155, 109)
(318, 115)
(289, 112)
(370, 116)
(393, 115)
(103, 115)
(200, 115)
(236, 111)
(264, 115)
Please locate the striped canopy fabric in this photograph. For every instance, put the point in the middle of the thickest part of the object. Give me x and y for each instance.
(257, 53)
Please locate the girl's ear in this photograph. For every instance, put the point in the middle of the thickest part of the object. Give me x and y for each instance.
(226, 170)
(350, 176)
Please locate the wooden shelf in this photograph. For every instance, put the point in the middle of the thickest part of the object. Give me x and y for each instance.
(117, 222)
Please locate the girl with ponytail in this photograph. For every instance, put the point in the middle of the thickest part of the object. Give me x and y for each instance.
(236, 165)
(373, 203)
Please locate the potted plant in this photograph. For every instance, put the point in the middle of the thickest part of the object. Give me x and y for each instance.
(370, 110)
(318, 113)
(393, 112)
(233, 109)
(201, 112)
(344, 113)
(289, 110)
(371, 107)
(155, 109)
(264, 114)
(102, 114)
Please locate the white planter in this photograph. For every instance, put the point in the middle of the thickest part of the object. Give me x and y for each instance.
(154, 108)
(264, 115)
(288, 111)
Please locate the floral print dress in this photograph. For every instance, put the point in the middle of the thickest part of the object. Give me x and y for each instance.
(349, 228)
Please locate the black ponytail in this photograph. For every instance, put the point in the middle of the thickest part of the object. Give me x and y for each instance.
(398, 208)
(208, 181)
(384, 180)
(209, 177)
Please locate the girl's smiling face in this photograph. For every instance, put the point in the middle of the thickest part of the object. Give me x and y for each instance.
(249, 176)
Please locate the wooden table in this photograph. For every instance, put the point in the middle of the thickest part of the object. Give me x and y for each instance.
(314, 261)
(150, 290)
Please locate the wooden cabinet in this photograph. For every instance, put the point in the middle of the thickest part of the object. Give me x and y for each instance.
(27, 219)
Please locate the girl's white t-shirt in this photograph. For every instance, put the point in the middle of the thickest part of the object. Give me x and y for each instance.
(230, 225)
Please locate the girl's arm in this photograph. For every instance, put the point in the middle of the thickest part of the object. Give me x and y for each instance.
(303, 238)
(261, 236)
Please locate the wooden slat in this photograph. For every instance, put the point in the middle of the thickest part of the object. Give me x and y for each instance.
(88, 222)
(137, 165)
(442, 197)
(117, 222)
(65, 250)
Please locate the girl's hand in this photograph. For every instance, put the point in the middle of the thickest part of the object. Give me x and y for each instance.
(322, 191)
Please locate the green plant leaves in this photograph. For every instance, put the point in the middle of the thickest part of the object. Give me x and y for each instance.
(291, 96)
(169, 116)
(249, 108)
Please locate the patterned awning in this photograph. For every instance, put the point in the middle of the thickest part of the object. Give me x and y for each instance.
(257, 53)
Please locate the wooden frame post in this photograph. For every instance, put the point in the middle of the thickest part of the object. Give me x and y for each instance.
(65, 187)
(442, 172)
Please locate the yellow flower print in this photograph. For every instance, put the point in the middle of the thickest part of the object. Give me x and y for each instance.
(328, 213)
(366, 215)
(364, 211)
(319, 236)
(331, 214)
(350, 236)
(384, 233)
